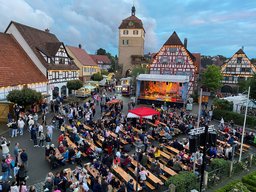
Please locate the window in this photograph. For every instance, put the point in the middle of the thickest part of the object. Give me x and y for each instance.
(173, 49)
(164, 59)
(245, 69)
(125, 41)
(125, 32)
(179, 60)
(230, 69)
(239, 59)
(135, 32)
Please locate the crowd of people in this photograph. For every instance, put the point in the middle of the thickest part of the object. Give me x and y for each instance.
(106, 143)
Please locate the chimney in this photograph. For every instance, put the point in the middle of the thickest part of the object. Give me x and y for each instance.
(80, 46)
(242, 47)
(47, 30)
(185, 43)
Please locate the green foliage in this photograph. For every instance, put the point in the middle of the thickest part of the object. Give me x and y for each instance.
(221, 164)
(101, 51)
(104, 72)
(24, 97)
(74, 84)
(250, 181)
(139, 70)
(237, 186)
(212, 77)
(236, 117)
(223, 104)
(243, 85)
(97, 77)
(253, 87)
(184, 181)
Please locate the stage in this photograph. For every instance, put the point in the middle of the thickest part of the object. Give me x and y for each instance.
(162, 88)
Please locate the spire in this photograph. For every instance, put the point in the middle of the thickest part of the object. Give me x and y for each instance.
(133, 10)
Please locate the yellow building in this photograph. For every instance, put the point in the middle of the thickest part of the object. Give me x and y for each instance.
(85, 63)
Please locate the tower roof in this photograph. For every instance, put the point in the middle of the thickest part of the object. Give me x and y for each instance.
(132, 22)
(174, 40)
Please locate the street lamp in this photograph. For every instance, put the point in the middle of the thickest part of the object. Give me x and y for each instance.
(138, 147)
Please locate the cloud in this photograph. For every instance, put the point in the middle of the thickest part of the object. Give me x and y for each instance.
(212, 27)
(21, 11)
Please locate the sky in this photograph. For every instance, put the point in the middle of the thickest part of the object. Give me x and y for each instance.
(215, 27)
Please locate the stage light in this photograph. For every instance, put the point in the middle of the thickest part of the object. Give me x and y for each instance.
(167, 83)
(180, 84)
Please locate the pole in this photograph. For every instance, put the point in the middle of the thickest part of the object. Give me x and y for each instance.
(204, 155)
(199, 108)
(245, 115)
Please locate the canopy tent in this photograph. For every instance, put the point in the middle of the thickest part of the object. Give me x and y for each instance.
(144, 112)
(132, 115)
(239, 101)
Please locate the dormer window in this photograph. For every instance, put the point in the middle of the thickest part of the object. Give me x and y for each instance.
(239, 59)
(135, 32)
(125, 32)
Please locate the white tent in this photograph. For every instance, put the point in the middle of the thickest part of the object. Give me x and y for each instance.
(239, 101)
(132, 115)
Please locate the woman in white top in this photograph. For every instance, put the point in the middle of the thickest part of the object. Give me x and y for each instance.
(143, 174)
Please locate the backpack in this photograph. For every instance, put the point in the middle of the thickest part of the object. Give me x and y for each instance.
(47, 138)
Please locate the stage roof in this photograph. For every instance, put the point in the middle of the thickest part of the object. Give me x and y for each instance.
(163, 78)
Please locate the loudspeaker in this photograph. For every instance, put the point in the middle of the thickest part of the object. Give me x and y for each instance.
(212, 139)
(201, 139)
(180, 84)
(167, 83)
(193, 143)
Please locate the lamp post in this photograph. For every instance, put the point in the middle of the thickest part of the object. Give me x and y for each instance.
(245, 115)
(199, 107)
(138, 146)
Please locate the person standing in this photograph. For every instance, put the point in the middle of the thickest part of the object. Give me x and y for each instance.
(16, 152)
(50, 130)
(21, 125)
(5, 147)
(24, 157)
(14, 128)
(43, 118)
(41, 139)
(4, 166)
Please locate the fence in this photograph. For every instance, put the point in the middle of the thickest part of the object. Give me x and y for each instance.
(234, 167)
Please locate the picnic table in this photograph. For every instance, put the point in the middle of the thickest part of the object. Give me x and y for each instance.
(125, 176)
(151, 176)
(164, 168)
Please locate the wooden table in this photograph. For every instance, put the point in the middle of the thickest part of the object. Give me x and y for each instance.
(88, 128)
(126, 176)
(94, 172)
(164, 168)
(151, 176)
(70, 143)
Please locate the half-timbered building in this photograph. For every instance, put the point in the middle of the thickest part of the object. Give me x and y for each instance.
(174, 59)
(237, 68)
(49, 55)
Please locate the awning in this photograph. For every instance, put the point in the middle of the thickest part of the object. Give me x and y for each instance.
(163, 78)
(131, 115)
(144, 112)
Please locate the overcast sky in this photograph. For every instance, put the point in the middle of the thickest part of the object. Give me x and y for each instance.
(212, 27)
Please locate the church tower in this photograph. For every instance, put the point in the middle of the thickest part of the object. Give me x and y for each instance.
(131, 43)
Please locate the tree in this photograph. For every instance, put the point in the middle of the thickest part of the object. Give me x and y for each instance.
(97, 77)
(101, 51)
(212, 77)
(74, 85)
(24, 97)
(253, 87)
(139, 70)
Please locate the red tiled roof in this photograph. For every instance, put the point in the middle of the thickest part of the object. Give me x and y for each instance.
(82, 56)
(45, 42)
(101, 59)
(16, 68)
(131, 22)
(174, 40)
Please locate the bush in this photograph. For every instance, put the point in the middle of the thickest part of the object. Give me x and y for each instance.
(223, 104)
(236, 117)
(74, 85)
(97, 77)
(221, 164)
(184, 181)
(104, 72)
(24, 97)
(250, 181)
(234, 186)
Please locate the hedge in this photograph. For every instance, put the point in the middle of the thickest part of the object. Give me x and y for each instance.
(236, 117)
(234, 186)
(250, 181)
(184, 181)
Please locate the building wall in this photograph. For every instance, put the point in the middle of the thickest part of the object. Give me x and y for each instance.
(76, 61)
(39, 87)
(13, 30)
(135, 46)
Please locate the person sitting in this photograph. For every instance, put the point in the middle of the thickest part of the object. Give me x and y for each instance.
(126, 162)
